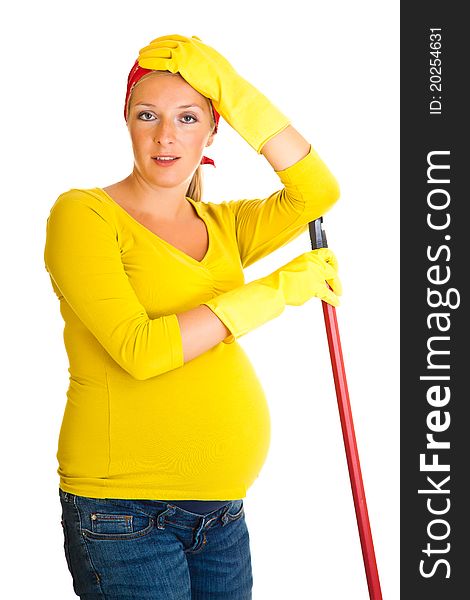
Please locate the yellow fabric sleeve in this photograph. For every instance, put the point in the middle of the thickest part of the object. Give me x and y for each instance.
(82, 257)
(263, 225)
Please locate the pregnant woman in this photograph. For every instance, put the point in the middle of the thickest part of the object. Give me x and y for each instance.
(166, 425)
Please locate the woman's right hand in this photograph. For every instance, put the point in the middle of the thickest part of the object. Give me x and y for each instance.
(309, 275)
(252, 304)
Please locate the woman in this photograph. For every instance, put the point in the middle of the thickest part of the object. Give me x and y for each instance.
(166, 425)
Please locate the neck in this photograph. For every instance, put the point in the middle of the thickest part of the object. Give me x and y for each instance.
(167, 203)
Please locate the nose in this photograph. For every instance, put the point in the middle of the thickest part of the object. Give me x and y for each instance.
(164, 132)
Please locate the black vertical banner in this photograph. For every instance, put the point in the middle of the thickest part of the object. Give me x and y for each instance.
(434, 262)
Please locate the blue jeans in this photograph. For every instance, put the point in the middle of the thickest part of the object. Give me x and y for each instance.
(152, 550)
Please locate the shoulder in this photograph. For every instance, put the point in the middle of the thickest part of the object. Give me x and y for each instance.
(82, 204)
(79, 199)
(87, 196)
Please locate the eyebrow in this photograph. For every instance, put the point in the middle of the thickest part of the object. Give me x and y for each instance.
(183, 106)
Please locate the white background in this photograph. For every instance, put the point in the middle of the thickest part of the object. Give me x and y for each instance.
(333, 67)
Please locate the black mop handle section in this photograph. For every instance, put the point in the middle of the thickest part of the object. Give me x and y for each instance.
(317, 234)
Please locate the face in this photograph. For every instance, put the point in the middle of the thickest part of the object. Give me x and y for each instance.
(168, 117)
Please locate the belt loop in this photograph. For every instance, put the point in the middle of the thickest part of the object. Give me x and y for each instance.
(223, 516)
(161, 517)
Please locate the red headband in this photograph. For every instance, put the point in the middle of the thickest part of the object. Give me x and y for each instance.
(136, 73)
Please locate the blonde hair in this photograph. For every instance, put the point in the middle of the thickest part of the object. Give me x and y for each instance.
(195, 188)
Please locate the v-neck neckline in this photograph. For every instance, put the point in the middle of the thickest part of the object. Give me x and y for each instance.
(154, 235)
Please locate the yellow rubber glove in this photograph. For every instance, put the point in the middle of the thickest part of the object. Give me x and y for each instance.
(246, 109)
(311, 274)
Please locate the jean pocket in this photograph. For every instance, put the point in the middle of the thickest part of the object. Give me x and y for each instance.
(235, 512)
(115, 526)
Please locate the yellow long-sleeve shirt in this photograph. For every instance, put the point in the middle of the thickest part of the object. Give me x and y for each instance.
(139, 423)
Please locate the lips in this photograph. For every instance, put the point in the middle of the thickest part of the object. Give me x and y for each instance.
(165, 161)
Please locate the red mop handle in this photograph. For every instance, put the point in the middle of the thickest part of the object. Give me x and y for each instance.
(318, 238)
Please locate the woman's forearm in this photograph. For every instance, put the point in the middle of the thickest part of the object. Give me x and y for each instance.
(201, 329)
(285, 148)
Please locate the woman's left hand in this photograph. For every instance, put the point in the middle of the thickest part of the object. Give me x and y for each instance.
(201, 66)
(245, 108)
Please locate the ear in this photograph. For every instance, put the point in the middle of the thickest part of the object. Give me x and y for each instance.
(210, 139)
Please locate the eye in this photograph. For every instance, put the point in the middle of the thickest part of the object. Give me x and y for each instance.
(189, 117)
(145, 113)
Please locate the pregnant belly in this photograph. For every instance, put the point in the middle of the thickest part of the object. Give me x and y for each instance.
(205, 426)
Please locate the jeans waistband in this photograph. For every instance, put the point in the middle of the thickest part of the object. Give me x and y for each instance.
(162, 510)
